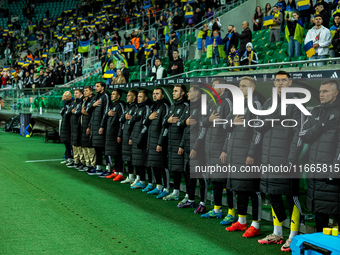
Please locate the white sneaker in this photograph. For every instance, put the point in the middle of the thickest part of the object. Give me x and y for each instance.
(128, 180)
(135, 182)
(66, 161)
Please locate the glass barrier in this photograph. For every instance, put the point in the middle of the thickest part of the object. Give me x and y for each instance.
(39, 101)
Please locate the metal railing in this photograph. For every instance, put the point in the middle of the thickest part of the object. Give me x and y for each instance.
(254, 67)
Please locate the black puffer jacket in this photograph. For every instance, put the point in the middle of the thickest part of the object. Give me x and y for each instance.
(125, 131)
(191, 134)
(65, 129)
(156, 136)
(75, 122)
(85, 120)
(323, 193)
(139, 137)
(111, 127)
(280, 146)
(97, 113)
(243, 142)
(215, 136)
(175, 132)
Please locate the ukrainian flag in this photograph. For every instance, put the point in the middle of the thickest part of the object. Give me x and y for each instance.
(268, 20)
(59, 19)
(200, 40)
(10, 25)
(189, 14)
(65, 38)
(84, 46)
(303, 5)
(137, 14)
(90, 15)
(73, 28)
(79, 18)
(69, 36)
(60, 35)
(34, 25)
(146, 6)
(67, 27)
(298, 35)
(109, 74)
(26, 63)
(98, 21)
(45, 19)
(114, 16)
(21, 62)
(37, 61)
(117, 7)
(107, 5)
(102, 27)
(308, 47)
(92, 25)
(219, 43)
(4, 34)
(44, 55)
(115, 28)
(129, 48)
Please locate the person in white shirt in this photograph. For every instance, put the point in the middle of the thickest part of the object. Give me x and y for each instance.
(321, 38)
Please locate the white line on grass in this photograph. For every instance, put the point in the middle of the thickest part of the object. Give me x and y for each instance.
(44, 160)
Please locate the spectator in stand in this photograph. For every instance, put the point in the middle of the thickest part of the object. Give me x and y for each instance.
(233, 58)
(335, 32)
(153, 56)
(143, 54)
(281, 6)
(321, 38)
(205, 31)
(119, 79)
(294, 35)
(210, 14)
(230, 39)
(335, 7)
(197, 16)
(103, 59)
(324, 3)
(215, 25)
(176, 65)
(7, 54)
(291, 6)
(176, 22)
(257, 19)
(275, 27)
(305, 15)
(124, 71)
(249, 57)
(267, 12)
(157, 71)
(216, 52)
(320, 9)
(130, 56)
(28, 81)
(173, 44)
(245, 37)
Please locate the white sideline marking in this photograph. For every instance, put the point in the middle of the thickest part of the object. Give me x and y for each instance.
(44, 160)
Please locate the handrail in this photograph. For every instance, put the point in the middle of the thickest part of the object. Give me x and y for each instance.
(217, 13)
(255, 66)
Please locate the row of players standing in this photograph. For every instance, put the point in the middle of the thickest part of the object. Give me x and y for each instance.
(148, 135)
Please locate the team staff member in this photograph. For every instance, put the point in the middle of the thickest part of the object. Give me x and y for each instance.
(192, 149)
(109, 127)
(65, 127)
(75, 130)
(88, 151)
(321, 132)
(138, 141)
(281, 146)
(214, 142)
(175, 132)
(98, 109)
(125, 132)
(157, 143)
(242, 148)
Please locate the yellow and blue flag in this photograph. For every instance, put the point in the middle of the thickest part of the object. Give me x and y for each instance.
(268, 20)
(309, 49)
(109, 74)
(189, 14)
(303, 5)
(84, 46)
